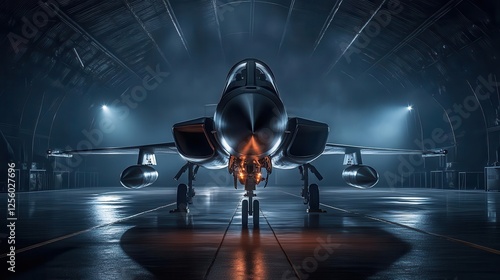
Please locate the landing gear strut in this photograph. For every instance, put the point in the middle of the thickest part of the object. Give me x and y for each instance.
(248, 173)
(185, 192)
(310, 193)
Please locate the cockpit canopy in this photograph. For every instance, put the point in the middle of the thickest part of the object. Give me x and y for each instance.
(250, 73)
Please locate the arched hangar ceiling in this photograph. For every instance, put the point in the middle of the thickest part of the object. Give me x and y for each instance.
(81, 42)
(72, 47)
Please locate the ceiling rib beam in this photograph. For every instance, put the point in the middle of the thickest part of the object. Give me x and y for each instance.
(421, 28)
(80, 30)
(327, 23)
(216, 17)
(330, 68)
(176, 24)
(143, 26)
(290, 9)
(252, 17)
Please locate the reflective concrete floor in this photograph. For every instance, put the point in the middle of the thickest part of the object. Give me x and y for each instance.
(113, 233)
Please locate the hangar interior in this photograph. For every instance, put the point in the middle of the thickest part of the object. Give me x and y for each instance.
(418, 75)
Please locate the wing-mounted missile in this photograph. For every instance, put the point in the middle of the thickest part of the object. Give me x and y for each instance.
(360, 176)
(356, 174)
(143, 174)
(138, 176)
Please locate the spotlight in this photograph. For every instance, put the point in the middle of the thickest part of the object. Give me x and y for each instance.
(104, 107)
(409, 108)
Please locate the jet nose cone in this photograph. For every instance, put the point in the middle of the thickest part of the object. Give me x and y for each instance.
(250, 124)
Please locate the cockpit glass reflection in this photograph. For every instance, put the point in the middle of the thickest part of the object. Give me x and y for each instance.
(262, 74)
(261, 77)
(239, 74)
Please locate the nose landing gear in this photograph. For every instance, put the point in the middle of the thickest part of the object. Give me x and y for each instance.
(248, 173)
(250, 207)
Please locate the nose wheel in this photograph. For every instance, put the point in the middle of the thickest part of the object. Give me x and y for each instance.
(250, 207)
(244, 213)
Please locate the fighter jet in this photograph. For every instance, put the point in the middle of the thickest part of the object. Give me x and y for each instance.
(249, 133)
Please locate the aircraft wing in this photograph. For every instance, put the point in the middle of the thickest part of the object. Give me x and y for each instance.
(341, 149)
(162, 148)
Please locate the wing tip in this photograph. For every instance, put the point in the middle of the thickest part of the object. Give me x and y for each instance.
(435, 153)
(57, 153)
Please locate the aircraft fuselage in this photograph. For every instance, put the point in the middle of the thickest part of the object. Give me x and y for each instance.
(250, 129)
(250, 120)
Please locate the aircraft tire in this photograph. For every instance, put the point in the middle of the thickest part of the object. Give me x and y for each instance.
(244, 213)
(313, 197)
(182, 197)
(256, 213)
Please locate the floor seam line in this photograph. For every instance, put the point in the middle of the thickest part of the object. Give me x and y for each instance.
(222, 241)
(449, 238)
(53, 240)
(281, 247)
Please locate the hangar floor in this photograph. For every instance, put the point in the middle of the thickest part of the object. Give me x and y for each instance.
(113, 233)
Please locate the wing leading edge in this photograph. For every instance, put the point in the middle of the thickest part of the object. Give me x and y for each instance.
(146, 152)
(162, 148)
(352, 154)
(340, 149)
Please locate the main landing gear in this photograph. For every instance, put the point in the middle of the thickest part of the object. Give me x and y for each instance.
(310, 193)
(185, 193)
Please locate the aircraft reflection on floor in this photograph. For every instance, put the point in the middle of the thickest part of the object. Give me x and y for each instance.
(190, 247)
(188, 253)
(450, 234)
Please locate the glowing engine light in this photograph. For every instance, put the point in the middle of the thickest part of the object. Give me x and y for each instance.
(258, 177)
